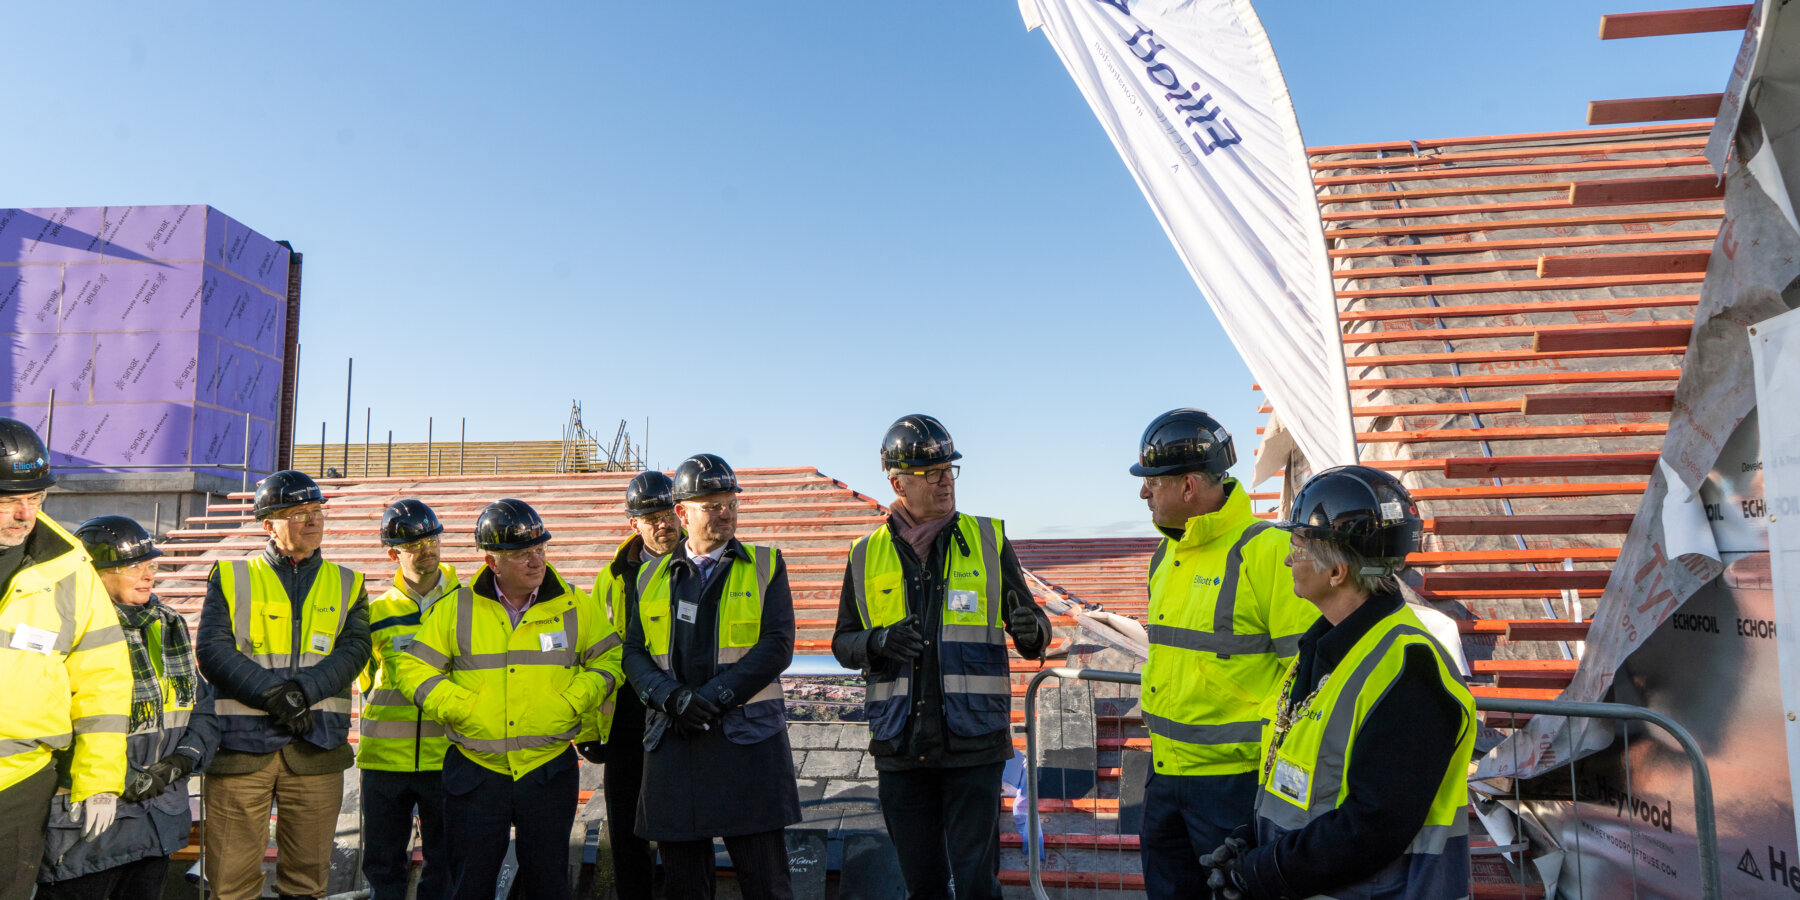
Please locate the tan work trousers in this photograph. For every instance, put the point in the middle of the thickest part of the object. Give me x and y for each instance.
(237, 830)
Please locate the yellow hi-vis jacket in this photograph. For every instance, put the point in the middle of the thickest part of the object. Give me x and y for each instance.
(615, 593)
(65, 678)
(1304, 777)
(511, 698)
(1223, 619)
(396, 735)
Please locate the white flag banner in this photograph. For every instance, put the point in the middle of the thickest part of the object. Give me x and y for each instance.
(1192, 98)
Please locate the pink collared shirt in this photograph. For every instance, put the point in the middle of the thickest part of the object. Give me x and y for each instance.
(515, 612)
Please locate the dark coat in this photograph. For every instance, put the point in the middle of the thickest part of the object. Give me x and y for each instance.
(705, 786)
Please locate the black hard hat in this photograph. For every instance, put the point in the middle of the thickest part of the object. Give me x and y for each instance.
(509, 525)
(649, 492)
(405, 521)
(24, 460)
(283, 489)
(1367, 510)
(116, 541)
(703, 474)
(917, 440)
(1185, 440)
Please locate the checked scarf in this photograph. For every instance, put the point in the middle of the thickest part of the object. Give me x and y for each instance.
(145, 645)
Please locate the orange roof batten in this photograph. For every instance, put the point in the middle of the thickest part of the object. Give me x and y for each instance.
(1624, 218)
(1520, 138)
(1674, 21)
(1657, 162)
(1444, 248)
(1513, 309)
(1597, 264)
(1388, 162)
(1653, 109)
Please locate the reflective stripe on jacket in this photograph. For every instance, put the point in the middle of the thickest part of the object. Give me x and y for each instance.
(971, 649)
(266, 632)
(512, 697)
(394, 735)
(1223, 616)
(65, 678)
(739, 628)
(1306, 778)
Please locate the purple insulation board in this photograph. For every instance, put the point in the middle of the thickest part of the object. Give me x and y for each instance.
(159, 329)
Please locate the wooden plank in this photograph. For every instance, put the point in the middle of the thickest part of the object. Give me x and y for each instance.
(1542, 307)
(1431, 269)
(1537, 152)
(1441, 581)
(1529, 556)
(1590, 264)
(1449, 248)
(1624, 218)
(1437, 409)
(1653, 109)
(1546, 630)
(1511, 594)
(1552, 466)
(1578, 402)
(1516, 379)
(1461, 189)
(1522, 666)
(1585, 523)
(1472, 357)
(1674, 21)
(1529, 680)
(1654, 336)
(1493, 331)
(1483, 690)
(1522, 433)
(1529, 286)
(1659, 162)
(1522, 138)
(1661, 189)
(1535, 491)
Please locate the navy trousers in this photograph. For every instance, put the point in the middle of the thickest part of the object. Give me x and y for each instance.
(1186, 816)
(388, 801)
(944, 823)
(484, 808)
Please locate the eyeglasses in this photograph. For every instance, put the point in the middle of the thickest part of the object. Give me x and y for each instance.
(519, 556)
(1297, 552)
(301, 518)
(934, 476)
(418, 546)
(666, 517)
(715, 507)
(137, 568)
(28, 503)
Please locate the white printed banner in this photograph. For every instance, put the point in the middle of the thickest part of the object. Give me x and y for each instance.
(1193, 100)
(1775, 344)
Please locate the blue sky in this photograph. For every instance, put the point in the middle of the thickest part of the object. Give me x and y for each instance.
(770, 228)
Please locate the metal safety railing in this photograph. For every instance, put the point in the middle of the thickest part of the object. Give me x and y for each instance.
(1705, 824)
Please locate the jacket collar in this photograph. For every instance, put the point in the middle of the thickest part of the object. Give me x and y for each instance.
(553, 587)
(1227, 521)
(734, 549)
(447, 585)
(281, 563)
(1331, 643)
(47, 541)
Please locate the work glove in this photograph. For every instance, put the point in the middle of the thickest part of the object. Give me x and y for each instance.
(692, 713)
(95, 814)
(1024, 627)
(1225, 869)
(900, 640)
(284, 701)
(156, 777)
(591, 751)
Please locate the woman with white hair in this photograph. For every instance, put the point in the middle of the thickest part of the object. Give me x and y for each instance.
(1365, 753)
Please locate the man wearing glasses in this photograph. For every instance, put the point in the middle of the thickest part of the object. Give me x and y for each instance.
(401, 752)
(921, 613)
(706, 643)
(617, 736)
(283, 635)
(68, 679)
(512, 666)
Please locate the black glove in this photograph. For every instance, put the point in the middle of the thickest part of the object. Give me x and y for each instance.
(692, 713)
(284, 701)
(1225, 869)
(900, 640)
(591, 751)
(156, 777)
(1024, 627)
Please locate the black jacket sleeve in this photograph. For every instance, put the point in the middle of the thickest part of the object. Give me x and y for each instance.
(770, 655)
(234, 675)
(201, 740)
(653, 685)
(1019, 602)
(349, 655)
(850, 640)
(1407, 737)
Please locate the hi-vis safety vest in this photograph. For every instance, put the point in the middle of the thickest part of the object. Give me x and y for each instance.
(65, 679)
(265, 630)
(613, 594)
(1223, 616)
(1306, 779)
(396, 736)
(512, 697)
(739, 626)
(971, 640)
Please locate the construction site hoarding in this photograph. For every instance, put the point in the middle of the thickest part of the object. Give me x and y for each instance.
(158, 330)
(1192, 97)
